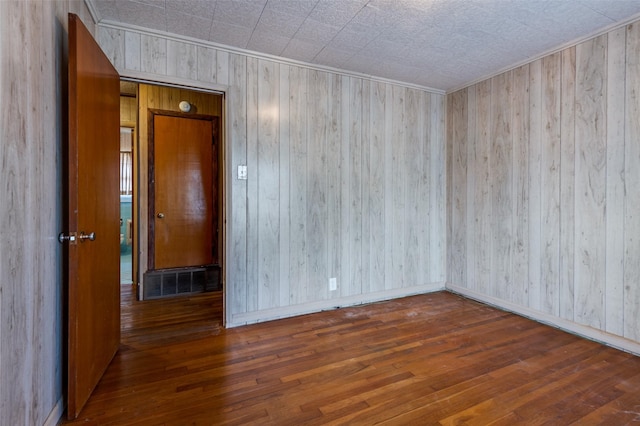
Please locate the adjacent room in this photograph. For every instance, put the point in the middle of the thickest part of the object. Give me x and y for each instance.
(416, 212)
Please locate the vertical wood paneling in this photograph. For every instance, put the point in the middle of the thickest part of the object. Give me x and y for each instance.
(268, 185)
(472, 173)
(563, 147)
(222, 67)
(346, 176)
(425, 215)
(518, 288)
(567, 184)
(182, 60)
(355, 188)
(237, 209)
(631, 309)
(298, 183)
(535, 188)
(616, 75)
(112, 43)
(17, 309)
(317, 274)
(33, 41)
(128, 111)
(389, 276)
(500, 181)
(458, 112)
(48, 325)
(132, 51)
(334, 187)
(366, 176)
(345, 188)
(413, 185)
(283, 186)
(207, 65)
(253, 254)
(482, 202)
(590, 181)
(398, 186)
(153, 55)
(376, 187)
(437, 236)
(550, 182)
(38, 75)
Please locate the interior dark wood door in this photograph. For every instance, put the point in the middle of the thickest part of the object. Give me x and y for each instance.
(182, 181)
(93, 215)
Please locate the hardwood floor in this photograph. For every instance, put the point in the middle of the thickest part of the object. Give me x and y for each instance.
(428, 359)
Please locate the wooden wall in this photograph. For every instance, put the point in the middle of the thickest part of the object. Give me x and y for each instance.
(346, 177)
(33, 48)
(543, 177)
(128, 111)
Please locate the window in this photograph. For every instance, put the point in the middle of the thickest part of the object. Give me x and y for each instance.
(126, 161)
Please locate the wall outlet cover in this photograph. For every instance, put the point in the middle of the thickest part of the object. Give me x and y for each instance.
(333, 284)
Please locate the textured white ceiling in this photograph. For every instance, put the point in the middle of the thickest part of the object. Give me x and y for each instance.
(440, 44)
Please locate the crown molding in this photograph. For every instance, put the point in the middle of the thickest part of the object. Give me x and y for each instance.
(249, 53)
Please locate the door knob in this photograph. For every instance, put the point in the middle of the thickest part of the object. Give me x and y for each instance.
(160, 215)
(90, 237)
(71, 237)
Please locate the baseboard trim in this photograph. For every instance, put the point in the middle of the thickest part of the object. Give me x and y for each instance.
(329, 304)
(56, 414)
(553, 321)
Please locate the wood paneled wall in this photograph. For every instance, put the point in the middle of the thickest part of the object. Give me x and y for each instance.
(543, 165)
(346, 177)
(128, 111)
(33, 48)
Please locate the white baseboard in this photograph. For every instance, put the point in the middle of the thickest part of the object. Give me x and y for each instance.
(328, 304)
(587, 332)
(56, 414)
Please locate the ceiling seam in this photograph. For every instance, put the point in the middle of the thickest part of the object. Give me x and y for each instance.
(256, 25)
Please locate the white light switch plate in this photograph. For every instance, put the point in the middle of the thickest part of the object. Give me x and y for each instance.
(242, 172)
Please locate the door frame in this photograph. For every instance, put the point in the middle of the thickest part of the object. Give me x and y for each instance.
(225, 147)
(134, 191)
(217, 191)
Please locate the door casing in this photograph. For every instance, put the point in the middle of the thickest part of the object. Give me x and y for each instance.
(224, 195)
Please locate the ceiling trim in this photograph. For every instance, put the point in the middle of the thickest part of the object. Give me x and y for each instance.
(203, 43)
(549, 52)
(145, 77)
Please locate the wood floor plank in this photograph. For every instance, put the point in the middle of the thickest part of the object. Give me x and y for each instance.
(429, 359)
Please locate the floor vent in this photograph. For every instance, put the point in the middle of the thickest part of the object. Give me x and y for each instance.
(171, 282)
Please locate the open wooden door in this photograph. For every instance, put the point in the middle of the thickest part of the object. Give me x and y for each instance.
(92, 238)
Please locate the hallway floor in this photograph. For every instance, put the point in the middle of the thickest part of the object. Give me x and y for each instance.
(126, 269)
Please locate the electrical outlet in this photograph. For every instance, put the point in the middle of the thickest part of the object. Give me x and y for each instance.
(333, 284)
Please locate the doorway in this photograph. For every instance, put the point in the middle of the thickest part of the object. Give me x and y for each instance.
(138, 103)
(127, 136)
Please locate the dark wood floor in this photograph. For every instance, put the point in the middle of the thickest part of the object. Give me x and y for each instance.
(429, 359)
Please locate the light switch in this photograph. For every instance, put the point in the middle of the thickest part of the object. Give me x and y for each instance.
(242, 172)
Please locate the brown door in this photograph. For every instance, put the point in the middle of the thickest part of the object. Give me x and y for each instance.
(182, 219)
(92, 246)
